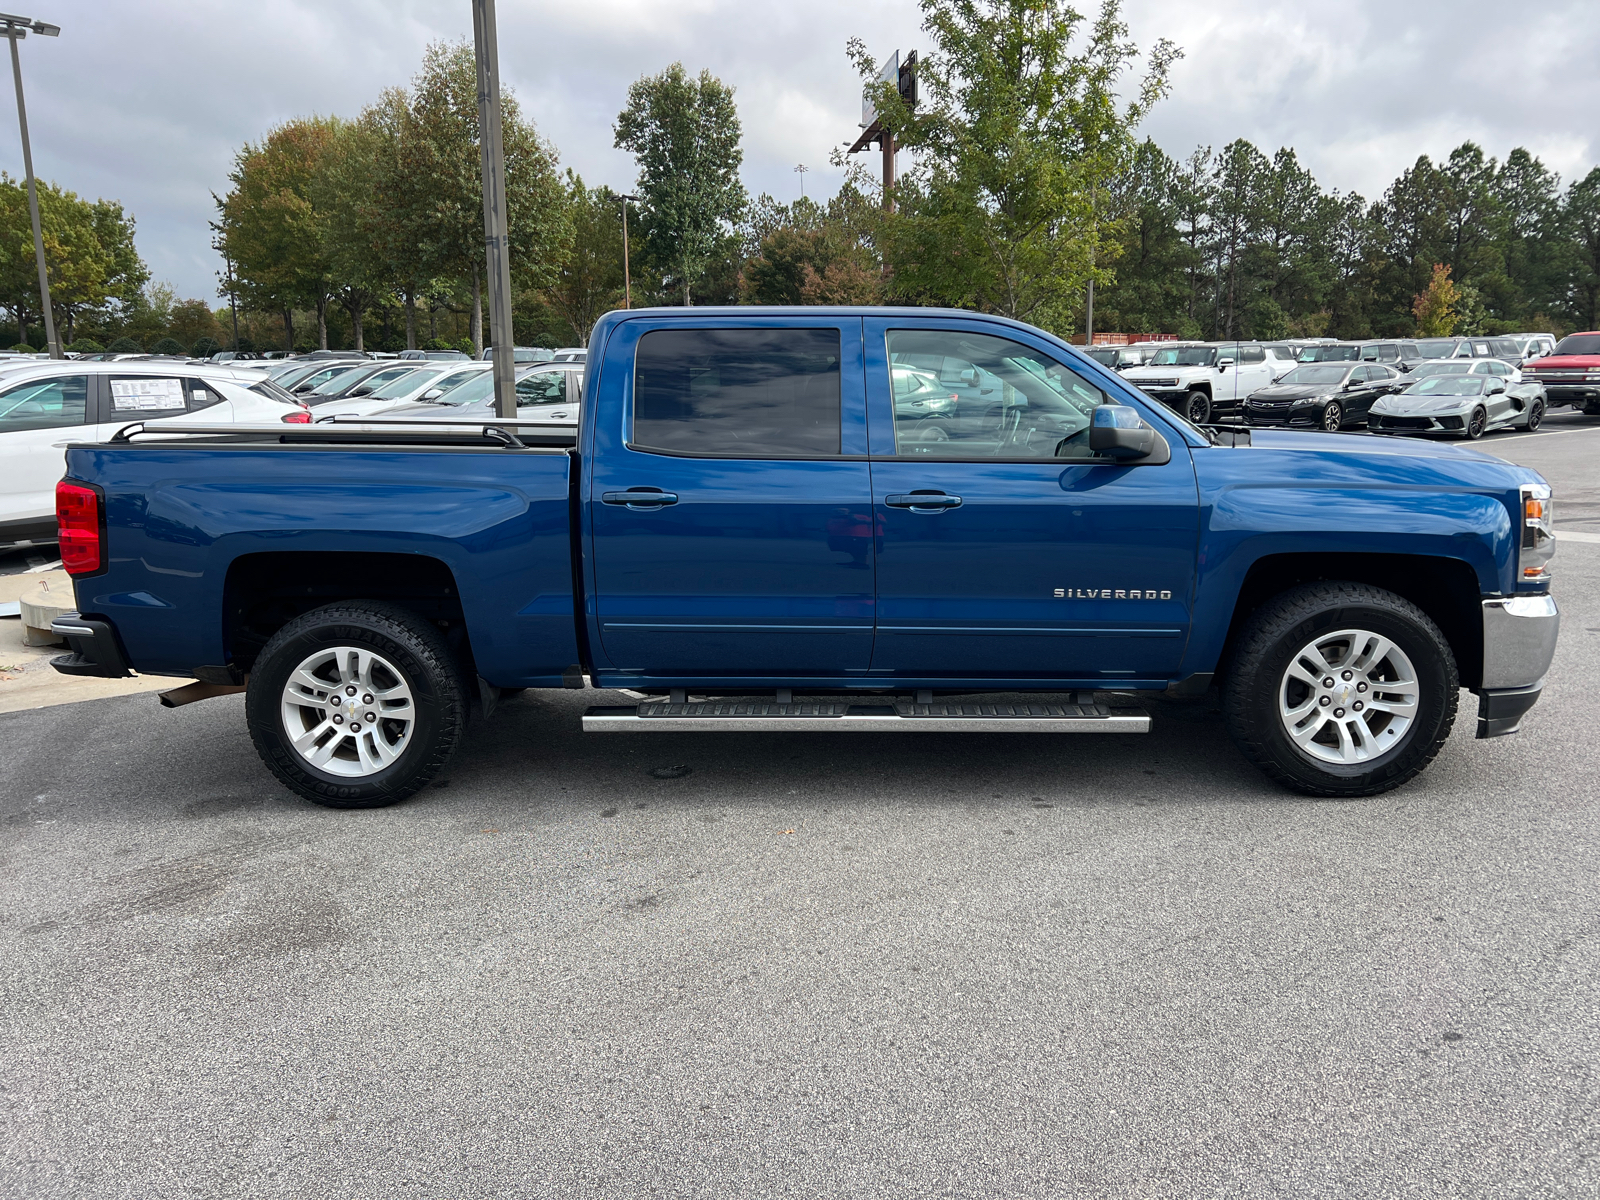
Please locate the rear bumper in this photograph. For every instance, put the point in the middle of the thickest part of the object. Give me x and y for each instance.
(95, 648)
(1571, 393)
(1519, 643)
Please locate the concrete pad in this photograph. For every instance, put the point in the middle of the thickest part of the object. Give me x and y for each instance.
(26, 678)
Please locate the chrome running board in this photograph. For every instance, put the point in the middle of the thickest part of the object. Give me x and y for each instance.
(870, 716)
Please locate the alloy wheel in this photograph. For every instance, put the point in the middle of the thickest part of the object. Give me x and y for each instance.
(348, 711)
(1348, 697)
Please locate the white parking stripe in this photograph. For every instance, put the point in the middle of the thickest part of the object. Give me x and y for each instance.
(1572, 535)
(1545, 433)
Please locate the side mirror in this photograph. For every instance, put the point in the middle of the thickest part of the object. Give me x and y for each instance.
(361, 389)
(433, 393)
(1119, 432)
(1224, 363)
(1494, 389)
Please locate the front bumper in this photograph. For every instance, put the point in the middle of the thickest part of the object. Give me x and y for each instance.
(1300, 416)
(1519, 643)
(1416, 422)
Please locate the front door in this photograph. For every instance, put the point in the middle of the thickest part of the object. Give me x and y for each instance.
(1014, 553)
(38, 418)
(730, 501)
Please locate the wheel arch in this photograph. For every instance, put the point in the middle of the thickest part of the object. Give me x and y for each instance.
(1446, 589)
(265, 591)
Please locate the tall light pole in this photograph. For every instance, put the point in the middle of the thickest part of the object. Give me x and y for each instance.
(492, 147)
(801, 171)
(627, 279)
(16, 28)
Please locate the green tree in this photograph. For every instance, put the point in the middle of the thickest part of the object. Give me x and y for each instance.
(1019, 139)
(684, 134)
(588, 283)
(270, 228)
(352, 221)
(440, 149)
(204, 348)
(1580, 219)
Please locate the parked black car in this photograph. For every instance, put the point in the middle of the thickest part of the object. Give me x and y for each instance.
(1325, 395)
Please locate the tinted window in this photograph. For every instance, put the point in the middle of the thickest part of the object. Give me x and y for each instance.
(1314, 375)
(1579, 343)
(1252, 354)
(1007, 400)
(202, 395)
(1369, 354)
(44, 404)
(1437, 347)
(1330, 354)
(542, 387)
(741, 393)
(1388, 352)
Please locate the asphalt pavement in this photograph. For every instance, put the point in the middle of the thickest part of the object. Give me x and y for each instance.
(808, 965)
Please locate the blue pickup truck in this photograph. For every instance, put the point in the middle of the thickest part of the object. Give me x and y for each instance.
(885, 520)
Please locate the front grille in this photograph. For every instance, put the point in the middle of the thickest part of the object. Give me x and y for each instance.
(1450, 423)
(1403, 423)
(1158, 383)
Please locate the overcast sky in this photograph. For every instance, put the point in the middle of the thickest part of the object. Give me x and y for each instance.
(146, 101)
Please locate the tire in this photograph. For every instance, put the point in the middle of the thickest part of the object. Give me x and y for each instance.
(1332, 417)
(1476, 424)
(1272, 703)
(1197, 407)
(1535, 416)
(386, 661)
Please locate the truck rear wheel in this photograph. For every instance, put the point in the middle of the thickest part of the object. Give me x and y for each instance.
(1341, 689)
(356, 705)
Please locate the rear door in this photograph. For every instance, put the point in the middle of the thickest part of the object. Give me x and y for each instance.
(38, 417)
(1011, 552)
(729, 502)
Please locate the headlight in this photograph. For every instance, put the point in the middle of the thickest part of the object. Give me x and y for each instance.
(1538, 534)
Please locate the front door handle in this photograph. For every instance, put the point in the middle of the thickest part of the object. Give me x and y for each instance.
(923, 501)
(640, 498)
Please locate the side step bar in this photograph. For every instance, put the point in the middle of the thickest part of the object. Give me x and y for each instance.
(886, 716)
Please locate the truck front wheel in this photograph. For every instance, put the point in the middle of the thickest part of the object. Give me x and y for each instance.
(1197, 407)
(356, 705)
(1341, 689)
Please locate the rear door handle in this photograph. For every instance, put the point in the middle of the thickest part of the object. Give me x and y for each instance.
(640, 498)
(922, 501)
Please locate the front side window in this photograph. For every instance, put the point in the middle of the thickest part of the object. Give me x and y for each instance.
(1007, 400)
(45, 404)
(1252, 354)
(542, 387)
(1369, 354)
(738, 393)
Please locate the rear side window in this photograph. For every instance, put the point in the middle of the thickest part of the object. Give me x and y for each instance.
(146, 394)
(738, 393)
(202, 395)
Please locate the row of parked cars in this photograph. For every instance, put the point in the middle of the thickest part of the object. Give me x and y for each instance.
(47, 404)
(1462, 387)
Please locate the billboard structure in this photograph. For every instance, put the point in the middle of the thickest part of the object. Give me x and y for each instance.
(903, 74)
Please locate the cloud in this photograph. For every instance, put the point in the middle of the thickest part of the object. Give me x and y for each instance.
(146, 101)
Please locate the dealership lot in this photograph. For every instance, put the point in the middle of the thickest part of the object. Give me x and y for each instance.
(805, 965)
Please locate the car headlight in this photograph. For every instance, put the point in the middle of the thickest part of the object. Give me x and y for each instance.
(1538, 533)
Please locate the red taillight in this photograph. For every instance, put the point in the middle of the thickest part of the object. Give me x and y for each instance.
(300, 416)
(78, 528)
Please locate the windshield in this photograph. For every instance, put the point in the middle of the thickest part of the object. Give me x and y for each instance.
(1579, 343)
(1106, 356)
(1184, 356)
(405, 385)
(479, 386)
(1447, 385)
(340, 381)
(1437, 347)
(1313, 354)
(1301, 375)
(1454, 366)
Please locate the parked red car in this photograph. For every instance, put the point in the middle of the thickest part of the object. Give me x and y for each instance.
(1570, 373)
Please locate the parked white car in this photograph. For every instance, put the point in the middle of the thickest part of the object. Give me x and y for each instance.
(47, 405)
(427, 382)
(1205, 380)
